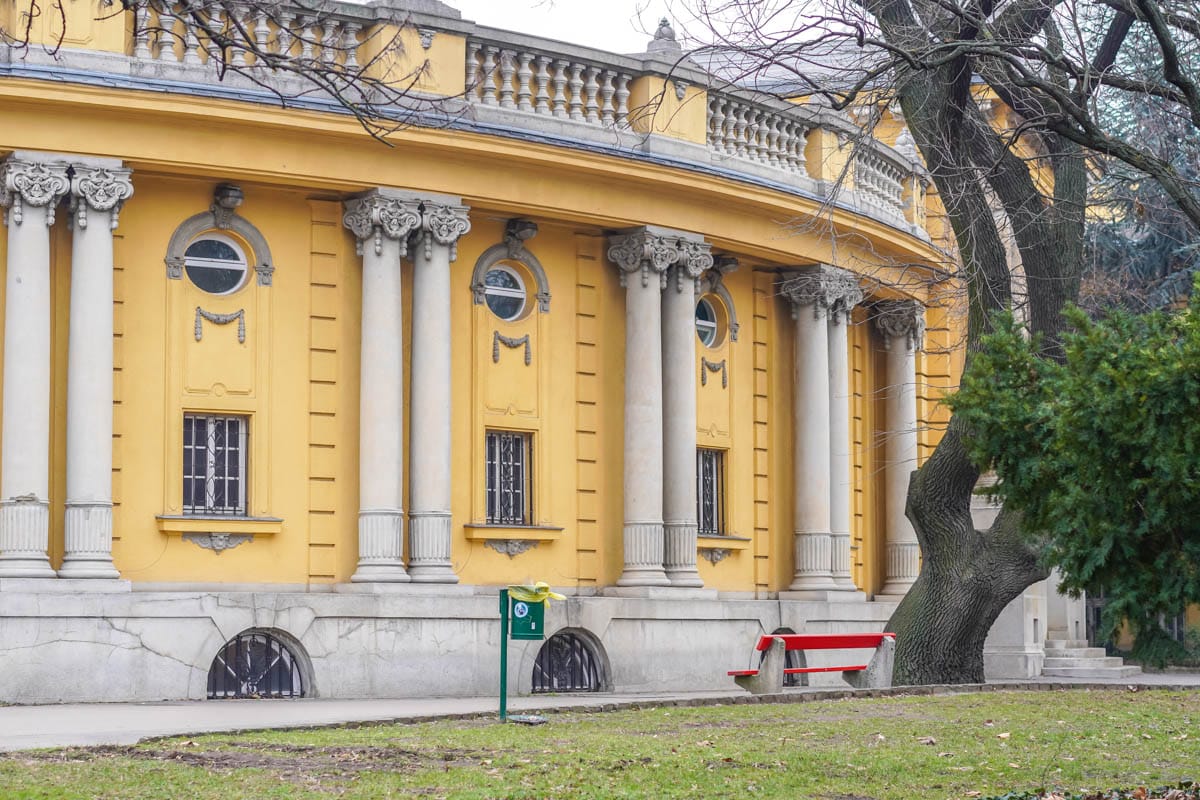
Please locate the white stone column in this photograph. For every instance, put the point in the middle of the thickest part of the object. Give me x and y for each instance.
(679, 413)
(840, 468)
(902, 325)
(809, 292)
(643, 257)
(97, 193)
(442, 224)
(29, 191)
(381, 222)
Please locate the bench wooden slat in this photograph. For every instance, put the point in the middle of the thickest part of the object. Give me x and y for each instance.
(825, 641)
(802, 670)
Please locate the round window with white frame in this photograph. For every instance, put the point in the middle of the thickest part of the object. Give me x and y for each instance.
(504, 292)
(216, 264)
(708, 322)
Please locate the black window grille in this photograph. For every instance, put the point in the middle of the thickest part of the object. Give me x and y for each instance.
(509, 484)
(566, 663)
(214, 464)
(254, 665)
(710, 491)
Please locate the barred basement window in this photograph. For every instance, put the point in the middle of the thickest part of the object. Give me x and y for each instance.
(566, 663)
(214, 464)
(509, 478)
(710, 491)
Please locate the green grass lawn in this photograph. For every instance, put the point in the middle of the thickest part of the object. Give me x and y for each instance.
(897, 748)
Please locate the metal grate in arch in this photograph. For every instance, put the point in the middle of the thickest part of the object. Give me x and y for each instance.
(792, 659)
(254, 665)
(566, 663)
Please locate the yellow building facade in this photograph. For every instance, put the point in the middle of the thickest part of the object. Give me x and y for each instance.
(669, 347)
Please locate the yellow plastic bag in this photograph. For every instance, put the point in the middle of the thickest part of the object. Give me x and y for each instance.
(538, 593)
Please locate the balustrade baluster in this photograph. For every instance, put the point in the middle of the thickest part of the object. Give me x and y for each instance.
(329, 42)
(560, 81)
(524, 78)
(488, 84)
(607, 113)
(507, 69)
(141, 31)
(305, 32)
(350, 43)
(237, 33)
(592, 89)
(166, 33)
(474, 72)
(576, 86)
(284, 37)
(543, 85)
(191, 42)
(623, 101)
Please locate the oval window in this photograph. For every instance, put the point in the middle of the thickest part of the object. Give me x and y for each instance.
(215, 264)
(706, 323)
(504, 292)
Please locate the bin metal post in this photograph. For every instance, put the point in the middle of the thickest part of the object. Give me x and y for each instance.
(503, 655)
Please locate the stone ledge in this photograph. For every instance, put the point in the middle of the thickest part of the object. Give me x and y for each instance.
(255, 526)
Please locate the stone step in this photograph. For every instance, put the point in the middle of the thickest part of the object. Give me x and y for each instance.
(1092, 672)
(1076, 652)
(1065, 644)
(1092, 661)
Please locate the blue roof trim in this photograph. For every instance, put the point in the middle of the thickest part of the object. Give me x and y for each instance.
(424, 118)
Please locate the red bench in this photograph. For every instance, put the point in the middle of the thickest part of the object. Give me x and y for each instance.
(768, 678)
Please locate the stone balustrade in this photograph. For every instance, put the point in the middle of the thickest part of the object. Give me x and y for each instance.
(547, 84)
(752, 130)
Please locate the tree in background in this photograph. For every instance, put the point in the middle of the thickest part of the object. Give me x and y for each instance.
(1101, 454)
(1011, 182)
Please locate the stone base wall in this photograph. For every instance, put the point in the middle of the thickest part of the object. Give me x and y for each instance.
(411, 641)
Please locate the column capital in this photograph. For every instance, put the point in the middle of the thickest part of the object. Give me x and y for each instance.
(100, 189)
(695, 258)
(37, 184)
(376, 215)
(896, 318)
(444, 224)
(827, 289)
(644, 252)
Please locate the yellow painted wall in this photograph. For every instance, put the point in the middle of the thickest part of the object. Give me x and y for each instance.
(656, 107)
(80, 25)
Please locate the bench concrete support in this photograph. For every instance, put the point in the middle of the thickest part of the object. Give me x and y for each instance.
(769, 678)
(878, 674)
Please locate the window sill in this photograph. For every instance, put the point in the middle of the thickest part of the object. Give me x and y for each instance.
(529, 533)
(191, 523)
(722, 542)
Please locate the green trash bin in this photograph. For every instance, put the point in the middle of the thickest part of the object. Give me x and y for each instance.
(528, 620)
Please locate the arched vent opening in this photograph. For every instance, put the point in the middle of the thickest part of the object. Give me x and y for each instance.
(255, 665)
(567, 662)
(793, 659)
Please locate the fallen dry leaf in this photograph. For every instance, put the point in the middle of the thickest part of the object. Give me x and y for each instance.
(1004, 735)
(926, 740)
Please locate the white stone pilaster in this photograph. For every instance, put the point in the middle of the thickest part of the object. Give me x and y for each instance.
(817, 294)
(29, 191)
(435, 247)
(902, 325)
(97, 194)
(382, 223)
(643, 257)
(679, 413)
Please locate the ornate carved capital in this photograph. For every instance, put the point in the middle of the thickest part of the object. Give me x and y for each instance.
(31, 183)
(643, 252)
(445, 225)
(828, 290)
(375, 216)
(100, 189)
(695, 258)
(901, 318)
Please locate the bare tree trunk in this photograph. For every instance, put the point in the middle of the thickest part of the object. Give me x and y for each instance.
(967, 576)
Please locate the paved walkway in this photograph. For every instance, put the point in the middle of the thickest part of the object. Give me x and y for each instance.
(81, 724)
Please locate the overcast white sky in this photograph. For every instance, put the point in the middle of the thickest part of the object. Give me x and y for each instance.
(619, 26)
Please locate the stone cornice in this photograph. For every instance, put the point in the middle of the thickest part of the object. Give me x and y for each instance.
(31, 183)
(100, 189)
(828, 290)
(901, 318)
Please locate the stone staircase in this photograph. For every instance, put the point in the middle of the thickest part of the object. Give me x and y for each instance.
(1072, 658)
